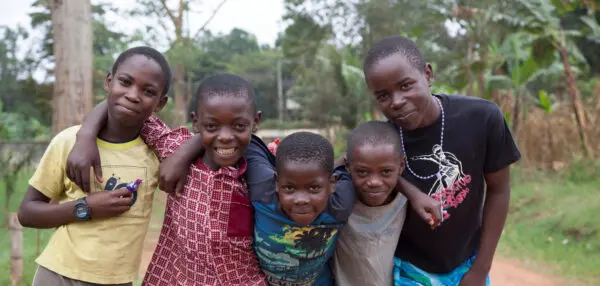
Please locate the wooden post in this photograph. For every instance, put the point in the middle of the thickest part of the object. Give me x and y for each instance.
(16, 250)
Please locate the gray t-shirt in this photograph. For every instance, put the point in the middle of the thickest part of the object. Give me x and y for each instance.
(365, 250)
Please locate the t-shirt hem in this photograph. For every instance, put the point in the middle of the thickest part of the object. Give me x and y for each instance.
(86, 277)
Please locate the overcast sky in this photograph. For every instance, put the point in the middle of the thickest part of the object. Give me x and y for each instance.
(259, 17)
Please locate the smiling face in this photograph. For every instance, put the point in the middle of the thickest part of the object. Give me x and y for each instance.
(226, 123)
(402, 91)
(375, 170)
(135, 90)
(304, 189)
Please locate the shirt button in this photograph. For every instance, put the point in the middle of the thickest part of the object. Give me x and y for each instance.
(212, 212)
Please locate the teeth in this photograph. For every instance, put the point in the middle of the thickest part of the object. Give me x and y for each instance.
(223, 151)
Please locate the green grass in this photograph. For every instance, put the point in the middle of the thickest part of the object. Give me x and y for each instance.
(29, 236)
(554, 223)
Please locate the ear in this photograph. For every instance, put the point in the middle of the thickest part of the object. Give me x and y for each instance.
(161, 103)
(107, 81)
(257, 119)
(195, 122)
(402, 164)
(429, 76)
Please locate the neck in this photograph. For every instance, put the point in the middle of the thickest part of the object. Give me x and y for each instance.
(432, 112)
(209, 162)
(115, 132)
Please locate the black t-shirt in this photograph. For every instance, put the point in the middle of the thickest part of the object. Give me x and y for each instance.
(477, 141)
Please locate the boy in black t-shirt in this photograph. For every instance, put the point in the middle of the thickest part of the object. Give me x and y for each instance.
(453, 145)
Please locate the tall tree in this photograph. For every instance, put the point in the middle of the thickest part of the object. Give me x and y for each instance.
(72, 37)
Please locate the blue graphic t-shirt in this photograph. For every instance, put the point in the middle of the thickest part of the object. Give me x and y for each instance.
(290, 254)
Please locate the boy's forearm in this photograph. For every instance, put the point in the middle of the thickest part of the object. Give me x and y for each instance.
(38, 212)
(190, 150)
(495, 210)
(407, 189)
(47, 215)
(94, 122)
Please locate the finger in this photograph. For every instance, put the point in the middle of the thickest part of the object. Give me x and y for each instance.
(437, 213)
(98, 171)
(179, 188)
(124, 202)
(78, 180)
(121, 209)
(425, 216)
(85, 180)
(122, 192)
(70, 173)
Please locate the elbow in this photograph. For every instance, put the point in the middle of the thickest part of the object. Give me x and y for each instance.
(24, 217)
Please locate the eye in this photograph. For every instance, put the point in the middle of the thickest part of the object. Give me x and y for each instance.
(287, 189)
(124, 82)
(386, 171)
(361, 173)
(149, 92)
(210, 127)
(381, 96)
(314, 189)
(240, 126)
(406, 86)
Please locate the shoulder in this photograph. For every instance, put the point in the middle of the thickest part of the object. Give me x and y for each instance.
(471, 107)
(69, 133)
(65, 138)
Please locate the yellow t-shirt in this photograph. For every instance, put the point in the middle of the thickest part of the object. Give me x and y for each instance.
(103, 251)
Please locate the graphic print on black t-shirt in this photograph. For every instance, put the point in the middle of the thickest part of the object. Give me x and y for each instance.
(451, 185)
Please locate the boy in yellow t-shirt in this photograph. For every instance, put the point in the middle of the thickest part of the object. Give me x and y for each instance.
(99, 235)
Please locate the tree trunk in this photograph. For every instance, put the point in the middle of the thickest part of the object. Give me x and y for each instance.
(72, 35)
(576, 100)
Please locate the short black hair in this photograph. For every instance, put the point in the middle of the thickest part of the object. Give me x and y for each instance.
(225, 84)
(374, 133)
(152, 54)
(389, 46)
(305, 147)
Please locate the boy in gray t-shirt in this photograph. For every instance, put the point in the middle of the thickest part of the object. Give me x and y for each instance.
(365, 251)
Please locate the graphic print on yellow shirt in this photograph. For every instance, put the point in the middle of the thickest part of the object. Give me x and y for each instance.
(102, 251)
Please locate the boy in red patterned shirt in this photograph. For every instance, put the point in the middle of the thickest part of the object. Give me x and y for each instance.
(207, 233)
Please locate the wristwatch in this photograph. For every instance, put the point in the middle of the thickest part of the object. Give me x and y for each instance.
(82, 210)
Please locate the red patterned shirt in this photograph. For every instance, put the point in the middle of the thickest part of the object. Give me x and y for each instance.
(207, 233)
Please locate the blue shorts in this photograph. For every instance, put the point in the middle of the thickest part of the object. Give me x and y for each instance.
(406, 274)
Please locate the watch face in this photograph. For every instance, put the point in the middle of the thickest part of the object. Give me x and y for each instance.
(81, 212)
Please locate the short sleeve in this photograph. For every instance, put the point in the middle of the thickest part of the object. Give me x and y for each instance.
(158, 136)
(260, 174)
(49, 177)
(342, 201)
(501, 150)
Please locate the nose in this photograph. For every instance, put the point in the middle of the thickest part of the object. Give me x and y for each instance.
(225, 135)
(374, 182)
(300, 198)
(133, 95)
(398, 100)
